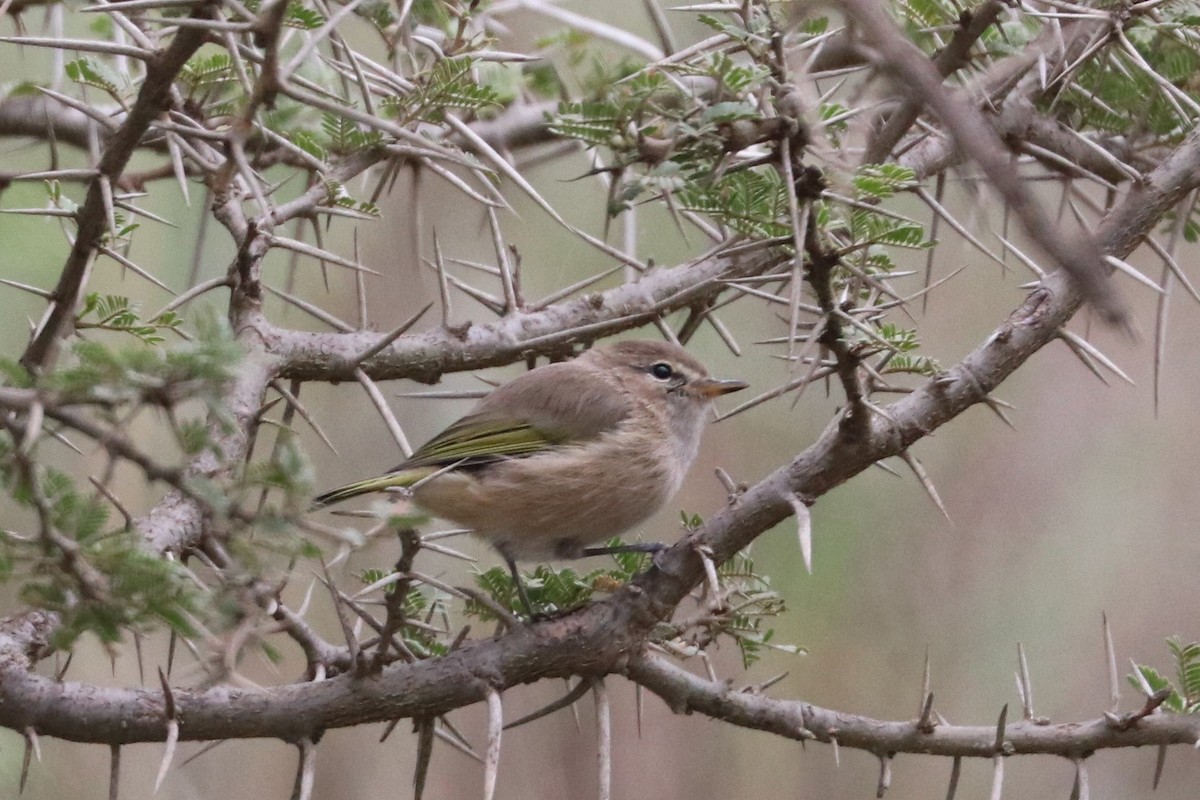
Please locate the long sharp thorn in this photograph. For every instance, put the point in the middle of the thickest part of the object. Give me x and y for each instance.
(424, 753)
(1173, 267)
(803, 530)
(306, 769)
(995, 407)
(1025, 684)
(293, 400)
(604, 739)
(137, 648)
(133, 267)
(938, 193)
(191, 294)
(178, 168)
(723, 332)
(311, 309)
(316, 252)
(885, 776)
(495, 725)
(1110, 653)
(171, 642)
(488, 154)
(457, 744)
(638, 698)
(1084, 358)
(1159, 762)
(997, 777)
(886, 468)
(172, 729)
(387, 731)
(507, 281)
(168, 753)
(360, 287)
(42, 293)
(955, 773)
(106, 195)
(27, 757)
(1138, 675)
(208, 748)
(1033, 266)
(926, 678)
(1079, 791)
(385, 411)
(799, 219)
(1001, 725)
(925, 722)
(1122, 266)
(958, 227)
(926, 483)
(568, 699)
(114, 772)
(443, 283)
(1160, 337)
(339, 607)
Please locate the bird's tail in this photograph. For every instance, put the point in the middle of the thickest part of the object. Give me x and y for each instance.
(400, 479)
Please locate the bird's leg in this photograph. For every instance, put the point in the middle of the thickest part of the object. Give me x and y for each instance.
(516, 576)
(633, 547)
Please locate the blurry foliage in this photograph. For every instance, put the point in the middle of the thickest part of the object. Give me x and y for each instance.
(116, 313)
(95, 572)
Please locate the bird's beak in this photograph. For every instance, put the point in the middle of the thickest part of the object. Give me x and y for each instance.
(711, 387)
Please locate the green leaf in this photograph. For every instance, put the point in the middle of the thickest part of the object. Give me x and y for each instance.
(89, 72)
(752, 201)
(205, 72)
(307, 142)
(550, 591)
(596, 123)
(117, 313)
(881, 181)
(301, 17)
(193, 436)
(1187, 666)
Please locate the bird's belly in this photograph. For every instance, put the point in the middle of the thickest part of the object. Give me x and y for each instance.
(552, 505)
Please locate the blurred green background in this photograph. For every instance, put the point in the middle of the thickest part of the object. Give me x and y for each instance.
(1088, 506)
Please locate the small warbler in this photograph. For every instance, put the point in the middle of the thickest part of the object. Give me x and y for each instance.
(565, 455)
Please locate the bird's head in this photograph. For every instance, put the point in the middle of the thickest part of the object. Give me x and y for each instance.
(662, 371)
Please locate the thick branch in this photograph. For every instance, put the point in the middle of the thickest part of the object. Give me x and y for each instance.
(596, 640)
(426, 356)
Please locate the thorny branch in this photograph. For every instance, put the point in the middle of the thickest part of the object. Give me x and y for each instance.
(977, 140)
(607, 637)
(604, 637)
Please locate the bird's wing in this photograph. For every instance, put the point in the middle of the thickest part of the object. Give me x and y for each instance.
(545, 407)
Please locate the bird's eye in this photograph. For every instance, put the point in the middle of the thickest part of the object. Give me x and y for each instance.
(662, 370)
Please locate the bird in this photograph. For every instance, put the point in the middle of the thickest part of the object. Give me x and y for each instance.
(565, 455)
